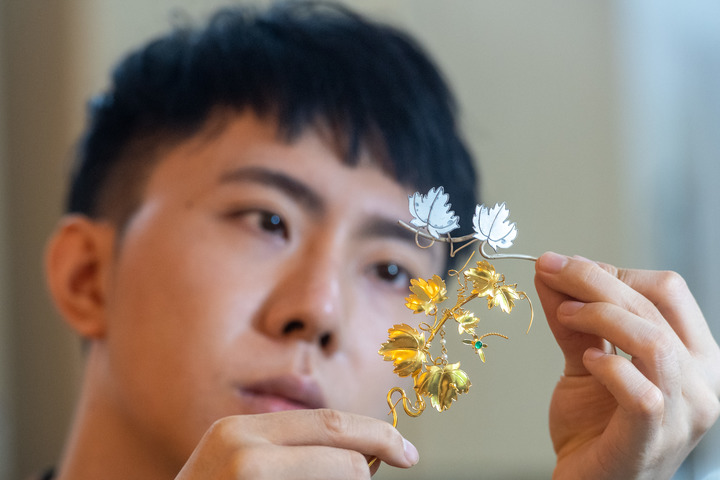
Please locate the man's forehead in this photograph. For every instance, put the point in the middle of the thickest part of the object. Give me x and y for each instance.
(349, 148)
(245, 148)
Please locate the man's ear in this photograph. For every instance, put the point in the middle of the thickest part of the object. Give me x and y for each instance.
(78, 260)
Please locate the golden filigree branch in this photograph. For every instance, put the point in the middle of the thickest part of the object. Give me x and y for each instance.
(434, 377)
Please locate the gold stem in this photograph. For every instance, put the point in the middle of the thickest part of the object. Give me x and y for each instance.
(446, 314)
(438, 325)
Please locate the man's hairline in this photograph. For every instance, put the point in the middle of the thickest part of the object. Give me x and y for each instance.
(216, 121)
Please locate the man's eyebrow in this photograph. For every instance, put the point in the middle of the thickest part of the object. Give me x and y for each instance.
(386, 228)
(286, 184)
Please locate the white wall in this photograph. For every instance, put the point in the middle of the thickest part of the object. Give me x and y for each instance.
(537, 84)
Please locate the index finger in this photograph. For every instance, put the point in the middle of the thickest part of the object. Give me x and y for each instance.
(670, 294)
(588, 282)
(560, 279)
(333, 428)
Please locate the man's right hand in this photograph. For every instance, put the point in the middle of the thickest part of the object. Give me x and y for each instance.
(297, 444)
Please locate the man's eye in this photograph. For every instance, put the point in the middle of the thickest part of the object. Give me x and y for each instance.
(271, 222)
(392, 273)
(262, 221)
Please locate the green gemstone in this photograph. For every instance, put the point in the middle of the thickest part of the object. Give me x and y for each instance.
(478, 345)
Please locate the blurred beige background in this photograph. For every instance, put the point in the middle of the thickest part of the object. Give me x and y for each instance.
(596, 121)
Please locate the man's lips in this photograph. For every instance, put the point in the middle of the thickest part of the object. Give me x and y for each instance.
(281, 393)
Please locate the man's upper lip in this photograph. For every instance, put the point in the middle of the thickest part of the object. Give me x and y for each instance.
(302, 390)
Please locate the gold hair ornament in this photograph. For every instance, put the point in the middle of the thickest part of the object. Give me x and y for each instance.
(407, 347)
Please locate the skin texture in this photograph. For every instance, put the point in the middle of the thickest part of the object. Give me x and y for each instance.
(618, 417)
(237, 317)
(209, 307)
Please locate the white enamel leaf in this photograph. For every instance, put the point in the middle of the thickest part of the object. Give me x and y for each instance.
(433, 212)
(491, 225)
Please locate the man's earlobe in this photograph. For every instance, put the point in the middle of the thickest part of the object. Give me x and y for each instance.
(78, 260)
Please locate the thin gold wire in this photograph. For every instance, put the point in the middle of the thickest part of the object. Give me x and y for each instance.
(495, 334)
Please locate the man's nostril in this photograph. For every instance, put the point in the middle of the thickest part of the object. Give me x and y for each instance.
(325, 340)
(293, 326)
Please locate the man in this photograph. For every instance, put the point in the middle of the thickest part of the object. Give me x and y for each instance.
(232, 259)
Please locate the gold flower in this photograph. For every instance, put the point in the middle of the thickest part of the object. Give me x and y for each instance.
(426, 295)
(466, 321)
(442, 383)
(483, 278)
(405, 348)
(504, 296)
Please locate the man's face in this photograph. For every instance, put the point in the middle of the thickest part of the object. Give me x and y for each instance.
(256, 276)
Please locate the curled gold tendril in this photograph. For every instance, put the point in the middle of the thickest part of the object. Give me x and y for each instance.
(523, 296)
(413, 410)
(419, 234)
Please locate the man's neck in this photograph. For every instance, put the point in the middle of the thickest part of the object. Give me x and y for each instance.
(104, 444)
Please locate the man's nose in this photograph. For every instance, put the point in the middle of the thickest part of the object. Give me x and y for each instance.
(307, 302)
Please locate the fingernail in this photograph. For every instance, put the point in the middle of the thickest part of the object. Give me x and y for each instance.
(411, 453)
(570, 307)
(593, 354)
(551, 262)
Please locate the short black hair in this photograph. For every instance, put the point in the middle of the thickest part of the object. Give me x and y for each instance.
(303, 63)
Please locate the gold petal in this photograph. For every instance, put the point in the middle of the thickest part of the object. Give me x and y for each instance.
(405, 348)
(466, 322)
(504, 296)
(426, 294)
(442, 384)
(483, 278)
